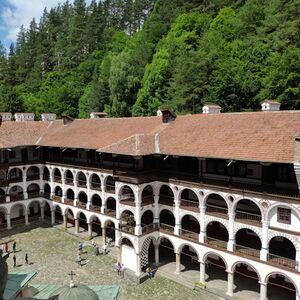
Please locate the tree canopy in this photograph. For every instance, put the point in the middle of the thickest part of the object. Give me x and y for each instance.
(130, 57)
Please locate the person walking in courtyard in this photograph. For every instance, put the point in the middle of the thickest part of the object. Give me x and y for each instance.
(14, 247)
(15, 261)
(105, 249)
(149, 271)
(26, 259)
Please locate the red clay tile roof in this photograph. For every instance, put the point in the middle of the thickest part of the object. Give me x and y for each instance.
(259, 136)
(14, 134)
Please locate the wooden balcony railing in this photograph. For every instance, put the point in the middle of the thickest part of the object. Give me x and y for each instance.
(15, 179)
(109, 188)
(69, 181)
(241, 216)
(57, 179)
(56, 198)
(149, 228)
(216, 210)
(81, 204)
(81, 183)
(216, 242)
(33, 194)
(16, 197)
(33, 177)
(128, 201)
(69, 202)
(167, 228)
(247, 251)
(189, 204)
(189, 234)
(110, 212)
(45, 195)
(95, 208)
(146, 200)
(127, 228)
(4, 182)
(167, 200)
(96, 186)
(282, 261)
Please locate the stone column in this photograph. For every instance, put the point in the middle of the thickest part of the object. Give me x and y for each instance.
(156, 210)
(177, 271)
(138, 264)
(7, 198)
(156, 252)
(8, 222)
(76, 226)
(263, 291)
(25, 194)
(42, 212)
(75, 192)
(26, 217)
(138, 225)
(104, 234)
(52, 216)
(230, 277)
(64, 195)
(90, 233)
(202, 272)
(64, 221)
(202, 235)
(231, 240)
(177, 229)
(89, 199)
(51, 185)
(119, 254)
(264, 243)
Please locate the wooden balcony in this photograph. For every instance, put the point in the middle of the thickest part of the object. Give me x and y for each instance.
(217, 211)
(69, 181)
(16, 197)
(81, 205)
(216, 243)
(15, 179)
(189, 205)
(128, 201)
(147, 200)
(56, 198)
(127, 228)
(33, 177)
(96, 209)
(190, 235)
(57, 179)
(4, 182)
(249, 218)
(282, 261)
(33, 194)
(166, 228)
(110, 212)
(69, 202)
(109, 188)
(96, 186)
(247, 251)
(166, 200)
(81, 183)
(149, 228)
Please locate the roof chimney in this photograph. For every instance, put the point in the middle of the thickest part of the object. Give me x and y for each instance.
(6, 116)
(23, 117)
(98, 115)
(67, 119)
(211, 108)
(270, 105)
(167, 115)
(48, 117)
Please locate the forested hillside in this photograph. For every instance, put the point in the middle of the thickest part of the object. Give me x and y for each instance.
(129, 57)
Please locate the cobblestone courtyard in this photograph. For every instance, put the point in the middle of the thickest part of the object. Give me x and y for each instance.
(52, 254)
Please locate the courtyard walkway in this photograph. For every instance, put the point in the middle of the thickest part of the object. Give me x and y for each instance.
(52, 252)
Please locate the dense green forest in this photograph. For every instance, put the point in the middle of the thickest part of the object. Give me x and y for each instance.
(130, 57)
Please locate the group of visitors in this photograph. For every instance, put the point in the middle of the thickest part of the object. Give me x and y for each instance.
(14, 250)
